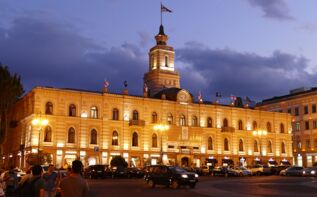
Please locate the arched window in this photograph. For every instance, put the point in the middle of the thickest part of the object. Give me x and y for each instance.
(135, 139)
(71, 135)
(225, 123)
(255, 125)
(154, 140)
(269, 147)
(210, 145)
(256, 147)
(282, 128)
(154, 117)
(209, 122)
(49, 108)
(240, 125)
(93, 136)
(115, 137)
(94, 112)
(115, 114)
(72, 110)
(166, 61)
(283, 147)
(182, 120)
(226, 144)
(241, 149)
(48, 134)
(169, 118)
(135, 115)
(268, 127)
(194, 121)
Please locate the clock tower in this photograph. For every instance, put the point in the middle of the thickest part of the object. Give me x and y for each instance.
(161, 72)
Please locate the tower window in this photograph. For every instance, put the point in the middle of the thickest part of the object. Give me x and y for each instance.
(166, 61)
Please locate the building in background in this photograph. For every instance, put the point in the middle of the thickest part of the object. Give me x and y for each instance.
(301, 104)
(95, 126)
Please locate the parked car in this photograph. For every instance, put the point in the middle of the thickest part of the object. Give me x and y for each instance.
(135, 173)
(310, 171)
(294, 171)
(278, 169)
(119, 172)
(95, 171)
(224, 171)
(243, 171)
(259, 169)
(170, 176)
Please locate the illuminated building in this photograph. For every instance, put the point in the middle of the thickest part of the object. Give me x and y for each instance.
(95, 126)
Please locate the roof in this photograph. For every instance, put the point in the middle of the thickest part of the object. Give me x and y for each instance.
(170, 93)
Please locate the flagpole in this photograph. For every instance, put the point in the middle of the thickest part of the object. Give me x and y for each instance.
(161, 13)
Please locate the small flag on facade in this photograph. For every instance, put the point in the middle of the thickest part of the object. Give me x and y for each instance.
(233, 97)
(145, 88)
(200, 97)
(105, 84)
(165, 9)
(125, 83)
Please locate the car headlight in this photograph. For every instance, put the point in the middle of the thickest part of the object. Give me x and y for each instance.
(18, 175)
(312, 172)
(196, 175)
(185, 176)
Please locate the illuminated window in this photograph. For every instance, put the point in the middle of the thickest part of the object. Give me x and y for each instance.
(154, 140)
(154, 117)
(225, 123)
(94, 112)
(269, 147)
(226, 144)
(72, 110)
(166, 61)
(49, 108)
(209, 122)
(194, 121)
(283, 147)
(297, 126)
(115, 114)
(182, 120)
(210, 145)
(282, 128)
(315, 124)
(135, 139)
(115, 137)
(268, 127)
(71, 135)
(240, 125)
(256, 147)
(170, 118)
(135, 115)
(241, 149)
(93, 136)
(255, 125)
(48, 134)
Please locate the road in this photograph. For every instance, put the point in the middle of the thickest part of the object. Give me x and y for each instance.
(210, 186)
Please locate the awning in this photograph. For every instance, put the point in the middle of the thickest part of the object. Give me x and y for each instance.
(272, 162)
(227, 161)
(285, 163)
(213, 160)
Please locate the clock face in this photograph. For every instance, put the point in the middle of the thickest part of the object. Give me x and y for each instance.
(183, 96)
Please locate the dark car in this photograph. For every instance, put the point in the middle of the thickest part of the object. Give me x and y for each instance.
(170, 176)
(224, 171)
(119, 172)
(310, 171)
(135, 173)
(294, 171)
(95, 171)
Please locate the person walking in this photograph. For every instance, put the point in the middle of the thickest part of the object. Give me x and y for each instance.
(74, 185)
(38, 181)
(11, 181)
(50, 178)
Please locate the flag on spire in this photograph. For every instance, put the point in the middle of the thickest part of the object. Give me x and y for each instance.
(165, 9)
(105, 84)
(200, 97)
(145, 88)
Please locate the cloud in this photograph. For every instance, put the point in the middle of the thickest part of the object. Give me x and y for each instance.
(243, 74)
(275, 9)
(47, 53)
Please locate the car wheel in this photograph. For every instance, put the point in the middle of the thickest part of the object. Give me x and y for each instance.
(258, 174)
(151, 183)
(240, 174)
(192, 185)
(175, 184)
(226, 175)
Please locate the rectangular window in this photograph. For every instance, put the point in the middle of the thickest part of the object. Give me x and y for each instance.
(307, 144)
(315, 144)
(289, 110)
(296, 111)
(306, 109)
(315, 124)
(307, 125)
(297, 126)
(313, 108)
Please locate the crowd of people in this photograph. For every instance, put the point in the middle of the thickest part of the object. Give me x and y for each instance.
(52, 183)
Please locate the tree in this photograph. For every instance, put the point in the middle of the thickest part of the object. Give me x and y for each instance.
(118, 161)
(11, 90)
(40, 158)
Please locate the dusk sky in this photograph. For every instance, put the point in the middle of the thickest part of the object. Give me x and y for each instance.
(254, 48)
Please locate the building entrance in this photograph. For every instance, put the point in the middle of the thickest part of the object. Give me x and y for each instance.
(185, 161)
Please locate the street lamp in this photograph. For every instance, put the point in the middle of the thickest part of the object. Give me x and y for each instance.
(161, 128)
(42, 122)
(260, 133)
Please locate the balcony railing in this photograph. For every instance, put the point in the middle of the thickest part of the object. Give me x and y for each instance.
(136, 123)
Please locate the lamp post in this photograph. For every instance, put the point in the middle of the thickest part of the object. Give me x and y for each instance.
(39, 122)
(161, 128)
(260, 134)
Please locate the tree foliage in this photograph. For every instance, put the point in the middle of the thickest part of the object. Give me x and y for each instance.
(118, 161)
(40, 158)
(11, 90)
